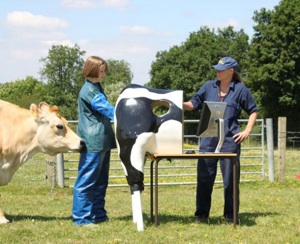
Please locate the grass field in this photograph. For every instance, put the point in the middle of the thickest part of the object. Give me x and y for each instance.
(269, 212)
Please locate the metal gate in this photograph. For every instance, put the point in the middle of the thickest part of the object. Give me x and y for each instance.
(176, 172)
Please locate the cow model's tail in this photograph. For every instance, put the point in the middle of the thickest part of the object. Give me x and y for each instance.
(140, 130)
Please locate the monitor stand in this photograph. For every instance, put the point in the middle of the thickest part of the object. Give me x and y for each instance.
(220, 134)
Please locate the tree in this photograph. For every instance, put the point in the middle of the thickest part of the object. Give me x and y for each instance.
(119, 75)
(63, 75)
(188, 66)
(23, 92)
(274, 70)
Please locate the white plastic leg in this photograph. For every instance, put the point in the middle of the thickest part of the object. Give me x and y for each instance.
(134, 217)
(137, 212)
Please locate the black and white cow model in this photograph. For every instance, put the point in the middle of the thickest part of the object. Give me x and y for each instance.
(139, 130)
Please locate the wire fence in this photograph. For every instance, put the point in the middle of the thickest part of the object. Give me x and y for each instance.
(293, 137)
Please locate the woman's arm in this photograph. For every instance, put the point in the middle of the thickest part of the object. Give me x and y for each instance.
(188, 106)
(241, 136)
(100, 104)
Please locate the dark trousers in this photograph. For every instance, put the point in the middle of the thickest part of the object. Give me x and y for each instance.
(206, 175)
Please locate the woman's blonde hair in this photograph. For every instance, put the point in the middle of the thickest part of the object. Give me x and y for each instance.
(92, 65)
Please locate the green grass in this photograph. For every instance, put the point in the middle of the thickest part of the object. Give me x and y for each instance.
(269, 212)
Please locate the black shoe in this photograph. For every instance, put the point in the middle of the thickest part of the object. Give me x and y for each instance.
(230, 221)
(201, 219)
(102, 220)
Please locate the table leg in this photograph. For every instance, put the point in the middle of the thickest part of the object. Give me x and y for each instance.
(156, 193)
(151, 191)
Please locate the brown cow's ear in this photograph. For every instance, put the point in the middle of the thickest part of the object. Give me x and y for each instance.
(53, 109)
(34, 110)
(44, 106)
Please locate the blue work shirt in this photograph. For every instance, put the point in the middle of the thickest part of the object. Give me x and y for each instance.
(238, 98)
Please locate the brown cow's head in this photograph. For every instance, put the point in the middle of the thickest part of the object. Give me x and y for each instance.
(53, 134)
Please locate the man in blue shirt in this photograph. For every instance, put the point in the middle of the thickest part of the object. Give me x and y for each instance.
(230, 89)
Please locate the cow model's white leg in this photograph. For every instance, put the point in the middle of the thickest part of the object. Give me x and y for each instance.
(134, 217)
(137, 212)
(3, 220)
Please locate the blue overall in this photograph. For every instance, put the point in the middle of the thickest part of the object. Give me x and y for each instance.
(238, 98)
(94, 127)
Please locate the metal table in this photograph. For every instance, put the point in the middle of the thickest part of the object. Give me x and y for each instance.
(156, 158)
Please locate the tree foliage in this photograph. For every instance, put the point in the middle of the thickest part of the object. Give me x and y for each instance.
(23, 92)
(63, 79)
(274, 69)
(62, 73)
(188, 66)
(118, 76)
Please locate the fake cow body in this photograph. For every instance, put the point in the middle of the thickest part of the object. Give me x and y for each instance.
(23, 133)
(139, 130)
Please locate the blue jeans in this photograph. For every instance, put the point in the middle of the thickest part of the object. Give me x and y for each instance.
(90, 188)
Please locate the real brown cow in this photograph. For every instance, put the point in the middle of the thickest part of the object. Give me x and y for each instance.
(24, 133)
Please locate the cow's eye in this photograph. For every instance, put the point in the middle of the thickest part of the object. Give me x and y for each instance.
(60, 127)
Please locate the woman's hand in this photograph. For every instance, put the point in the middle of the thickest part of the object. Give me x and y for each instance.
(240, 137)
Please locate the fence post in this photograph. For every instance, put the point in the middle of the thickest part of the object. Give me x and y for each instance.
(60, 170)
(281, 147)
(50, 170)
(270, 146)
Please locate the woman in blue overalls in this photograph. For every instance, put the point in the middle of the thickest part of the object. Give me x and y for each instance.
(94, 127)
(228, 88)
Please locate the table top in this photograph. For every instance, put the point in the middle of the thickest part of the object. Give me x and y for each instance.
(191, 155)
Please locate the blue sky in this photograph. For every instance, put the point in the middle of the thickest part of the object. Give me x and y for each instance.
(130, 30)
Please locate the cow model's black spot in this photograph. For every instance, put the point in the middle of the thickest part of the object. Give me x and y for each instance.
(135, 116)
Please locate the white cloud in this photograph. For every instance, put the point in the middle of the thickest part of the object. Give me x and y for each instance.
(233, 23)
(143, 30)
(25, 25)
(21, 54)
(222, 25)
(118, 49)
(19, 19)
(137, 29)
(119, 4)
(89, 4)
(139, 54)
(64, 42)
(28, 38)
(79, 4)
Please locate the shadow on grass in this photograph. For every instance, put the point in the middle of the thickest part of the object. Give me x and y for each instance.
(127, 218)
(20, 217)
(248, 219)
(245, 219)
